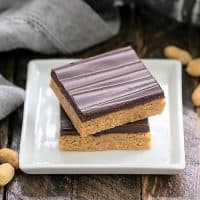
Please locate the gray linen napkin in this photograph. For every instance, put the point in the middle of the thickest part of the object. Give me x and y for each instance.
(11, 97)
(51, 26)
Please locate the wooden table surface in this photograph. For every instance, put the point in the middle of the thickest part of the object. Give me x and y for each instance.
(148, 33)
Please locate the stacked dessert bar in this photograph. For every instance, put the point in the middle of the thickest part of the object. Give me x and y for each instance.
(106, 102)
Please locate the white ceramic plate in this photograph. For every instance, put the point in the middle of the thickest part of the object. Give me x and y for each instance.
(39, 153)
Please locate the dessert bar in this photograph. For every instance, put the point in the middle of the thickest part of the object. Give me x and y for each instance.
(131, 136)
(107, 90)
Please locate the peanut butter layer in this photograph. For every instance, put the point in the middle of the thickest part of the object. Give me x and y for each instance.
(131, 136)
(106, 84)
(113, 141)
(110, 120)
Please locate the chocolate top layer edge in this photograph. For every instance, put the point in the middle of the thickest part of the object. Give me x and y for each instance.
(106, 83)
(67, 128)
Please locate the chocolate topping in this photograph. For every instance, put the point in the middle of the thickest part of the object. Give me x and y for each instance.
(67, 128)
(106, 83)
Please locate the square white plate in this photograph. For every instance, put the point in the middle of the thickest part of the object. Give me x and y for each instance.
(39, 153)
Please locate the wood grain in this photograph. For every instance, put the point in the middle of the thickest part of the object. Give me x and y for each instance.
(27, 187)
(105, 187)
(7, 67)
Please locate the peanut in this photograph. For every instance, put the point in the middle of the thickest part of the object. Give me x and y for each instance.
(196, 96)
(193, 68)
(9, 156)
(7, 172)
(177, 53)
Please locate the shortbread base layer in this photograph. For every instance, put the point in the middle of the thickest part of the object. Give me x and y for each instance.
(109, 120)
(117, 141)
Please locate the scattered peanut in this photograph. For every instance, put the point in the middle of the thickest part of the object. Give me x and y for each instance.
(7, 172)
(177, 53)
(196, 96)
(9, 156)
(193, 68)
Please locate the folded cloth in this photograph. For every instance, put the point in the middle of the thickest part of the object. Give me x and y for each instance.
(52, 26)
(11, 97)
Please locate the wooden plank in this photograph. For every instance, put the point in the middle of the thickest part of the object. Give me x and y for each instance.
(173, 187)
(6, 69)
(26, 186)
(3, 133)
(7, 63)
(106, 187)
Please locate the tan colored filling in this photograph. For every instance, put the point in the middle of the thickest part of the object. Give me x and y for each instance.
(117, 141)
(109, 120)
